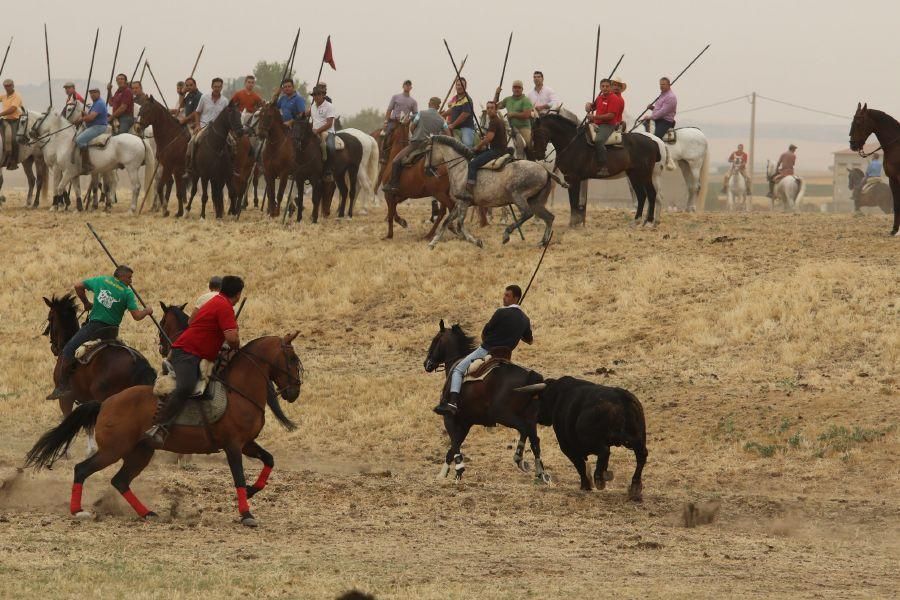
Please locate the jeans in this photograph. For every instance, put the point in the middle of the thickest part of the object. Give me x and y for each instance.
(466, 135)
(662, 127)
(481, 160)
(327, 142)
(603, 132)
(125, 124)
(456, 376)
(92, 330)
(84, 138)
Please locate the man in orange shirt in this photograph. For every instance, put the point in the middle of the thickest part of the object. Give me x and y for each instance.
(10, 111)
(246, 98)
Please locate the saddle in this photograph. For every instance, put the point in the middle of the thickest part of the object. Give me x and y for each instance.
(480, 369)
(615, 138)
(870, 184)
(101, 140)
(165, 383)
(498, 163)
(86, 352)
(338, 143)
(414, 156)
(670, 137)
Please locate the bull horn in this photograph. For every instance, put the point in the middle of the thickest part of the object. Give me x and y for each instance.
(534, 387)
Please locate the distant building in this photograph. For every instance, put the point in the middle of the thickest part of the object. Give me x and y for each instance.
(844, 160)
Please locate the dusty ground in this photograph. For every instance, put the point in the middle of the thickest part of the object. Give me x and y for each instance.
(765, 349)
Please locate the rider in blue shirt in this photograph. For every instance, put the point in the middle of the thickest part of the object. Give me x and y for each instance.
(290, 103)
(95, 123)
(874, 168)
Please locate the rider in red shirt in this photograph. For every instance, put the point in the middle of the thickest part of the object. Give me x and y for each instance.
(207, 330)
(608, 109)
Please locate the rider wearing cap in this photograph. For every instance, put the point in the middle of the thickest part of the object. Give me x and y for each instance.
(608, 108)
(112, 297)
(95, 123)
(518, 111)
(207, 330)
(10, 111)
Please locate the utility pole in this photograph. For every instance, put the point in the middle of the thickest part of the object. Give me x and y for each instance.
(752, 134)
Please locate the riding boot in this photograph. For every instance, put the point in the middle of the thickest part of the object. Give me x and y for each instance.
(65, 372)
(468, 193)
(165, 416)
(86, 167)
(600, 151)
(771, 193)
(449, 404)
(391, 187)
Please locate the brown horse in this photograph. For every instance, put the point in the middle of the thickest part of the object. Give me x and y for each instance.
(120, 421)
(173, 323)
(415, 182)
(867, 121)
(344, 165)
(171, 151)
(879, 195)
(111, 370)
(488, 402)
(213, 160)
(279, 160)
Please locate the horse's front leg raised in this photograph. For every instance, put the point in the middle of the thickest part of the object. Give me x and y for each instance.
(457, 432)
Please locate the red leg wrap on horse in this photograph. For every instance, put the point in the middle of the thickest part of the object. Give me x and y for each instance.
(243, 505)
(139, 508)
(263, 477)
(75, 502)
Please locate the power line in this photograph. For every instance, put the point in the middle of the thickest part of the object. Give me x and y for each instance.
(744, 97)
(806, 108)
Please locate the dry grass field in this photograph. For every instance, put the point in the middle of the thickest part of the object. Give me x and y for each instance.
(764, 347)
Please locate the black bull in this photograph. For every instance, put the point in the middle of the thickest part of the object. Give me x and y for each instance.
(588, 419)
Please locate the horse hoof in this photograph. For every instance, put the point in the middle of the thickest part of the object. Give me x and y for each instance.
(505, 238)
(543, 479)
(84, 516)
(635, 492)
(479, 243)
(600, 483)
(151, 516)
(635, 223)
(403, 223)
(523, 465)
(249, 522)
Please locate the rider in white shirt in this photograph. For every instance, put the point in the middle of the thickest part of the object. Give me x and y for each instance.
(542, 97)
(323, 117)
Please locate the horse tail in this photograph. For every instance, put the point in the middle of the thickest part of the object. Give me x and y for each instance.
(149, 167)
(143, 373)
(275, 407)
(55, 442)
(800, 192)
(44, 172)
(670, 163)
(704, 181)
(372, 169)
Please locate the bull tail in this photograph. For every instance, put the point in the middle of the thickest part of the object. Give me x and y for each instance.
(56, 442)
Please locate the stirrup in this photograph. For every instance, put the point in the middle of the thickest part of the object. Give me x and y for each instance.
(157, 435)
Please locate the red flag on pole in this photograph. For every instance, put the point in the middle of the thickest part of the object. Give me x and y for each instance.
(329, 56)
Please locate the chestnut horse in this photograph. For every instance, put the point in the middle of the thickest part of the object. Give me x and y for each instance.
(120, 421)
(488, 402)
(171, 150)
(415, 182)
(867, 121)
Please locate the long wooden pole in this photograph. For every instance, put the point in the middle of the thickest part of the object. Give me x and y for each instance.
(90, 72)
(596, 60)
(462, 66)
(47, 55)
(112, 72)
(696, 58)
(322, 64)
(158, 89)
(197, 62)
(466, 92)
(505, 60)
(136, 66)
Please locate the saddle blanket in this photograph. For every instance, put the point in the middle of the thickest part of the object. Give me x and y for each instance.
(498, 163)
(481, 368)
(870, 184)
(213, 405)
(101, 140)
(86, 352)
(615, 139)
(165, 383)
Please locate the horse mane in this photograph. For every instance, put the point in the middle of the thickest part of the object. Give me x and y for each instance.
(65, 305)
(466, 342)
(882, 117)
(562, 114)
(454, 144)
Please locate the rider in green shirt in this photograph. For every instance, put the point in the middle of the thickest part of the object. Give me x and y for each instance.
(518, 111)
(112, 297)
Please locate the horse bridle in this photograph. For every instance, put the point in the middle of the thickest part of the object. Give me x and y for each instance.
(298, 382)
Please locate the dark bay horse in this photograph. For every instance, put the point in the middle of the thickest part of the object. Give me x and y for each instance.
(878, 195)
(171, 150)
(120, 421)
(575, 158)
(173, 322)
(488, 402)
(112, 370)
(416, 181)
(867, 121)
(344, 166)
(279, 159)
(213, 161)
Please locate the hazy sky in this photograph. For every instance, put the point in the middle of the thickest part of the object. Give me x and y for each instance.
(824, 54)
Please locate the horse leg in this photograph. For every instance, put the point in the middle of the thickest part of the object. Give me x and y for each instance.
(203, 198)
(895, 192)
(463, 207)
(316, 200)
(539, 475)
(28, 167)
(540, 209)
(254, 450)
(132, 464)
(391, 202)
(691, 174)
(190, 199)
(354, 188)
(641, 196)
(276, 207)
(576, 217)
(457, 432)
(440, 234)
(437, 216)
(218, 197)
(651, 204)
(636, 488)
(602, 474)
(236, 464)
(525, 213)
(341, 184)
(134, 175)
(180, 194)
(96, 462)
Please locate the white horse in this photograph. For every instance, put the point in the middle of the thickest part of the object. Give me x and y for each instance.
(122, 151)
(367, 176)
(789, 190)
(690, 152)
(737, 185)
(523, 183)
(28, 150)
